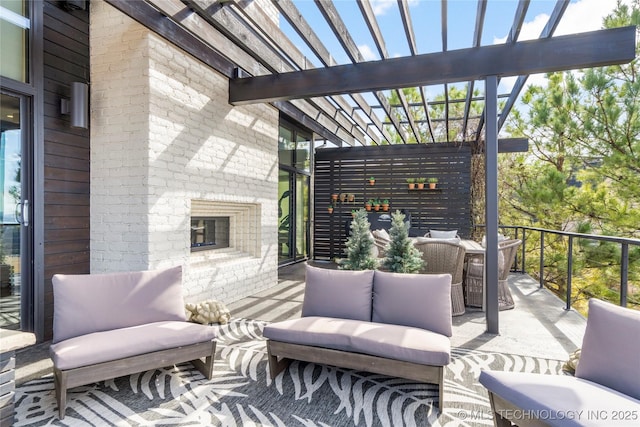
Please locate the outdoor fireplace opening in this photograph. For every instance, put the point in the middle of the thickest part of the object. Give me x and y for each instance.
(217, 224)
(210, 232)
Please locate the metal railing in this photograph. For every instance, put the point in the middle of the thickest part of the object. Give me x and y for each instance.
(520, 263)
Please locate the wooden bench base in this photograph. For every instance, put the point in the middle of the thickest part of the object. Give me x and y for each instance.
(66, 379)
(280, 354)
(503, 412)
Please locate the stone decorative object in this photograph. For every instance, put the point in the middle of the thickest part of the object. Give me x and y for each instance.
(207, 312)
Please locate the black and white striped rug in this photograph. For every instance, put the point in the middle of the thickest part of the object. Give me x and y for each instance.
(242, 394)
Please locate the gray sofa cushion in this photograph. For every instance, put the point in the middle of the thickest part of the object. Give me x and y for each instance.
(383, 340)
(132, 341)
(561, 399)
(611, 348)
(89, 303)
(417, 300)
(338, 293)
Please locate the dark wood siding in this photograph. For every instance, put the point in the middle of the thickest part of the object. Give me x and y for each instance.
(66, 151)
(345, 170)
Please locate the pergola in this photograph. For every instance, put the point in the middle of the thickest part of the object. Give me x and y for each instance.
(264, 65)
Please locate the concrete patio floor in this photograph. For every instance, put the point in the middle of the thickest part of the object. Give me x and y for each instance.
(538, 326)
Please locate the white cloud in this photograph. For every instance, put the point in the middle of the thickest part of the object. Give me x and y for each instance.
(585, 15)
(580, 17)
(367, 53)
(380, 7)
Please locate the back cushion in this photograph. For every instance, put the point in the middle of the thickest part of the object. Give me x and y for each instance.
(611, 348)
(417, 300)
(87, 303)
(442, 234)
(338, 293)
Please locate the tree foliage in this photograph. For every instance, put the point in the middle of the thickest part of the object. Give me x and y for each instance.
(401, 255)
(441, 131)
(359, 245)
(583, 171)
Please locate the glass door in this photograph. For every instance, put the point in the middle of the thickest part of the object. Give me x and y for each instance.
(285, 209)
(14, 210)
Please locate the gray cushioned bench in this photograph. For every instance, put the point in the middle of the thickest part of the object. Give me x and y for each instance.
(109, 325)
(605, 390)
(387, 323)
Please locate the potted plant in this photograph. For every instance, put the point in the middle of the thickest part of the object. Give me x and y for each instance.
(376, 205)
(372, 180)
(412, 183)
(368, 204)
(358, 247)
(353, 213)
(334, 196)
(351, 197)
(421, 182)
(385, 205)
(401, 256)
(343, 197)
(330, 209)
(433, 182)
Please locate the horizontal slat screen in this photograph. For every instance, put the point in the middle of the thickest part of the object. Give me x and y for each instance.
(346, 171)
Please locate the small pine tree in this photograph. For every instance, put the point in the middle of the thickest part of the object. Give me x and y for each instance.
(402, 256)
(359, 245)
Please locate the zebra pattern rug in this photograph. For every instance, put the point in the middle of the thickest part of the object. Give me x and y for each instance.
(242, 394)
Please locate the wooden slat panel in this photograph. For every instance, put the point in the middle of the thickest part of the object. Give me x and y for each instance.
(345, 170)
(66, 151)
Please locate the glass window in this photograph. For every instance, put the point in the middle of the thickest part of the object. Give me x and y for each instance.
(286, 146)
(14, 39)
(303, 156)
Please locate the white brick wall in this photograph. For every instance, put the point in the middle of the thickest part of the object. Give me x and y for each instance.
(162, 134)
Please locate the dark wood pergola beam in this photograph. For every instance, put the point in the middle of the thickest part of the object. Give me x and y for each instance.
(591, 49)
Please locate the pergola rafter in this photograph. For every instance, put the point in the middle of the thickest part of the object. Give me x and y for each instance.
(339, 29)
(443, 26)
(253, 41)
(258, 18)
(547, 31)
(308, 35)
(477, 38)
(408, 29)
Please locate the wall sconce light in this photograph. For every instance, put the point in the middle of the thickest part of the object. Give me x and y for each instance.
(77, 106)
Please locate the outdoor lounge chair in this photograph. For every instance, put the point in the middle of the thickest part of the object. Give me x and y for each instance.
(445, 257)
(474, 281)
(115, 324)
(605, 390)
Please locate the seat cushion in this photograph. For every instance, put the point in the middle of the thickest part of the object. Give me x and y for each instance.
(417, 300)
(611, 348)
(116, 344)
(563, 400)
(376, 339)
(338, 293)
(86, 303)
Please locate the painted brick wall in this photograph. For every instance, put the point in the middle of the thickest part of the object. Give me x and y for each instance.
(163, 135)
